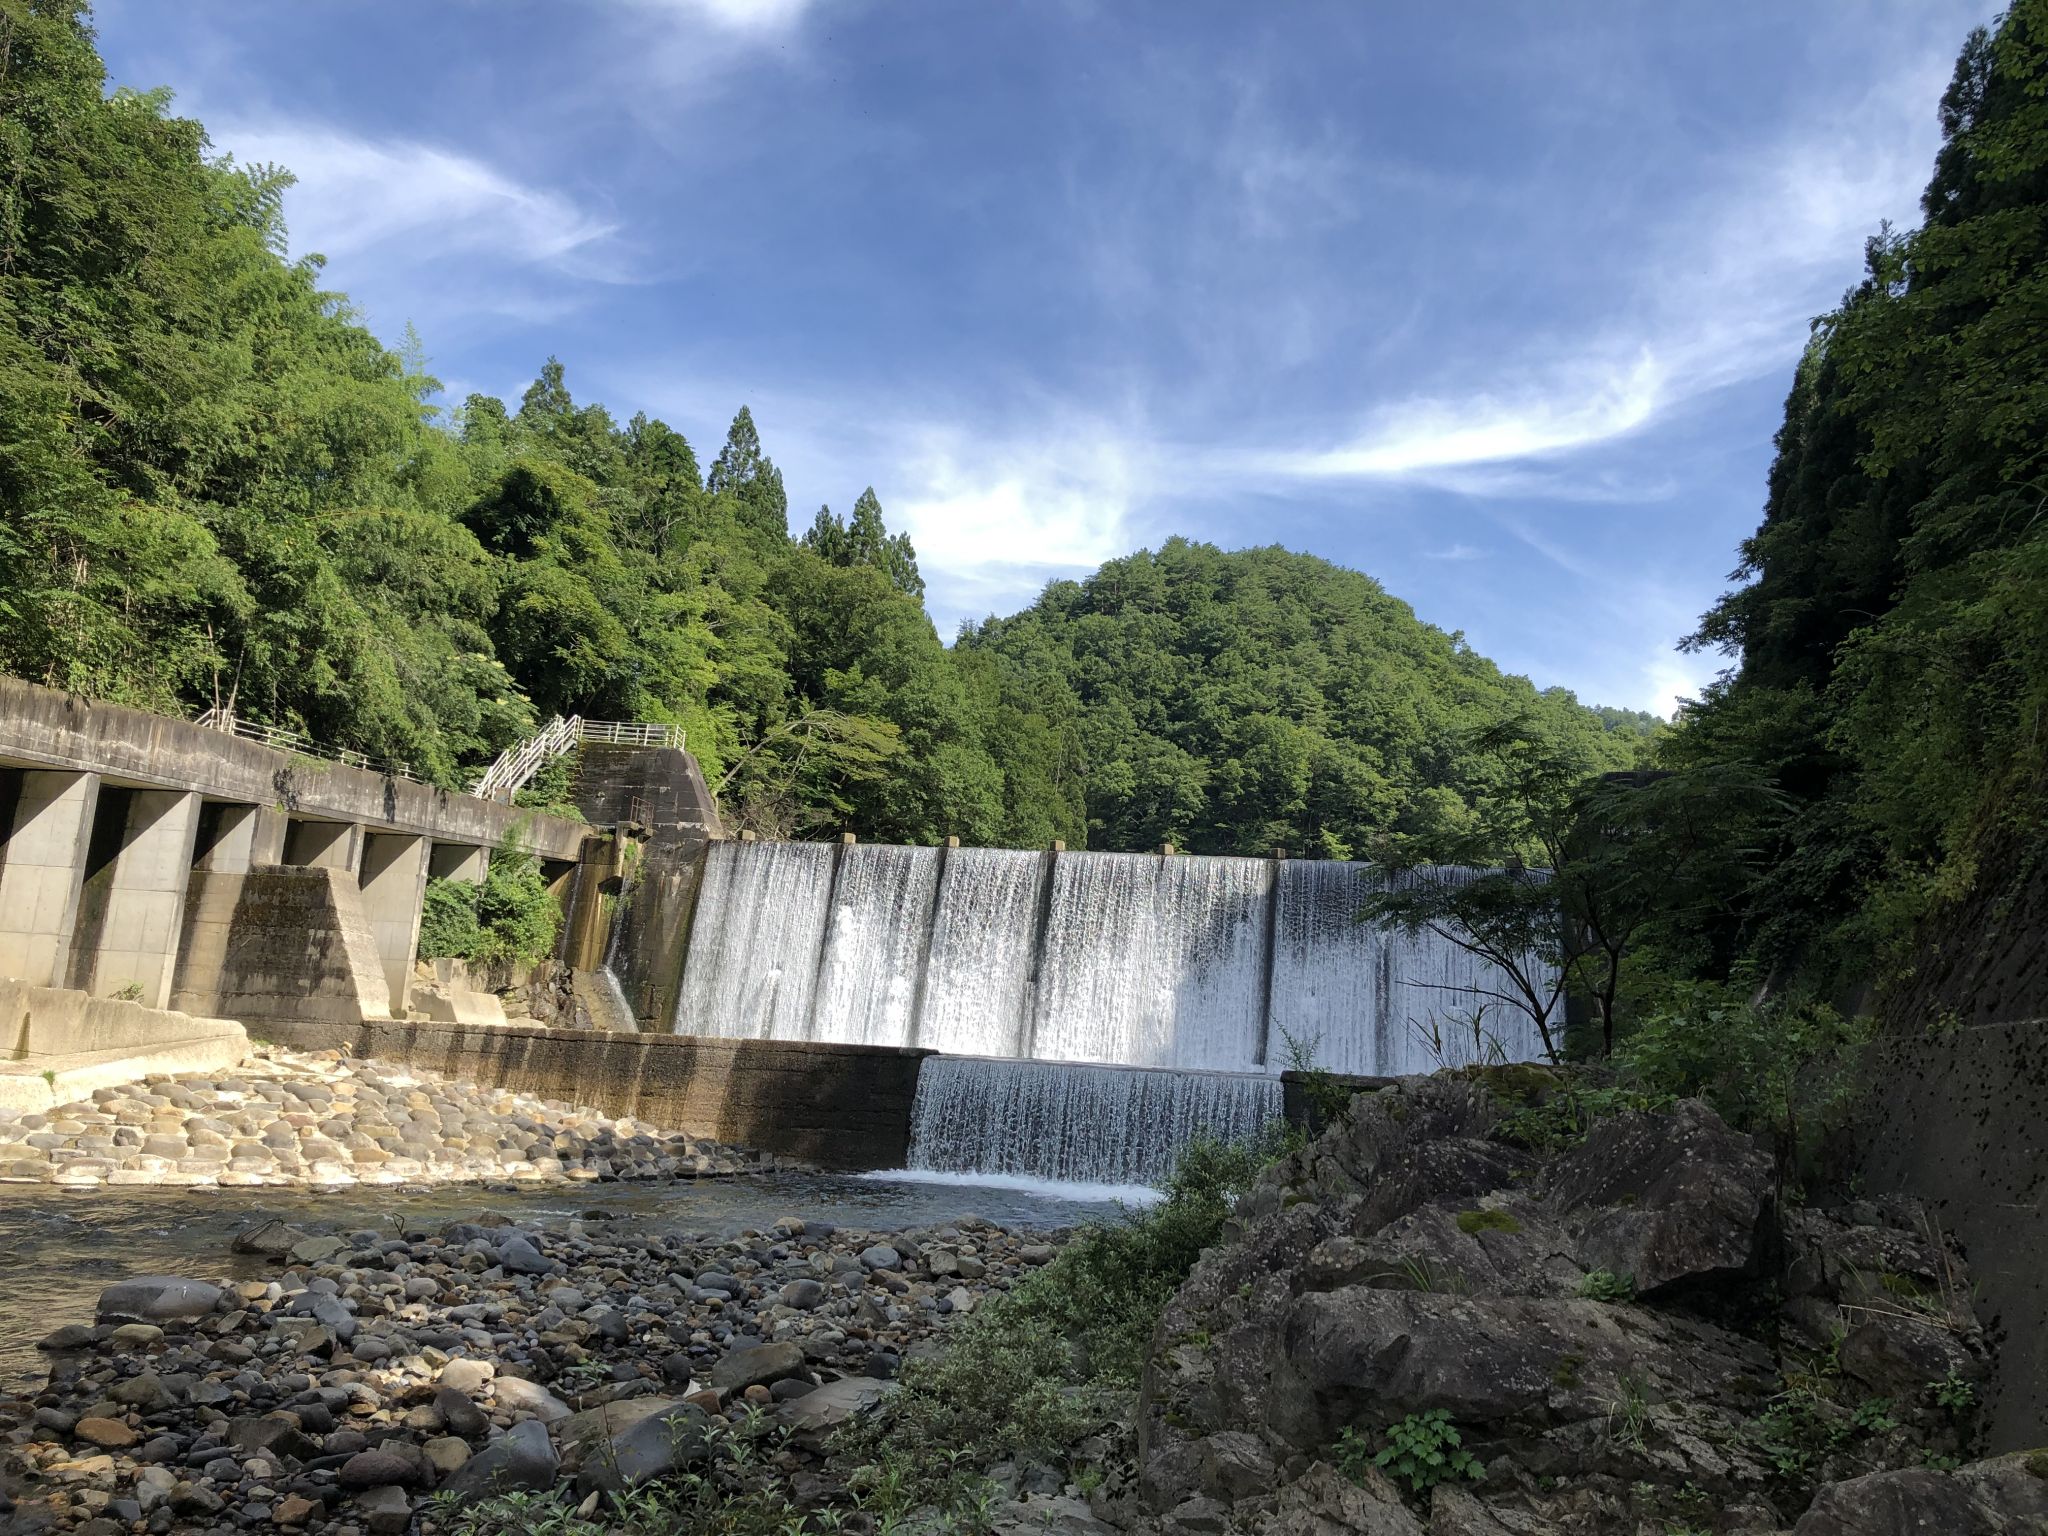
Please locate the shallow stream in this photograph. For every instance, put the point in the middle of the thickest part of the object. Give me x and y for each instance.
(60, 1248)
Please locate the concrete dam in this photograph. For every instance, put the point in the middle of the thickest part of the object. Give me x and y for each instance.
(1104, 1007)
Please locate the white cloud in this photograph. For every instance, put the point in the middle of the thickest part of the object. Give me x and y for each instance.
(1459, 552)
(994, 522)
(741, 16)
(356, 195)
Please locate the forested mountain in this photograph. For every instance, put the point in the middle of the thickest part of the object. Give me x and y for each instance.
(1891, 631)
(1239, 702)
(219, 487)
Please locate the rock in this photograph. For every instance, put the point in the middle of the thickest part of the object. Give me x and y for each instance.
(145, 1393)
(881, 1256)
(2003, 1497)
(757, 1365)
(593, 1428)
(462, 1416)
(157, 1298)
(386, 1511)
(1672, 1197)
(529, 1398)
(804, 1295)
(1896, 1355)
(1236, 1465)
(316, 1250)
(136, 1336)
(1455, 1512)
(1326, 1503)
(395, 1463)
(273, 1434)
(519, 1257)
(673, 1440)
(295, 1511)
(523, 1458)
(107, 1434)
(446, 1453)
(832, 1404)
(70, 1336)
(469, 1376)
(270, 1239)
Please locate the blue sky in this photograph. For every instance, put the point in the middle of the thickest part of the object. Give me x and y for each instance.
(1495, 301)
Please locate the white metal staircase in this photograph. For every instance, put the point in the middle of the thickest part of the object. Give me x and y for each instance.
(516, 766)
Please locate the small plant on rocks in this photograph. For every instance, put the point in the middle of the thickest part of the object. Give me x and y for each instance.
(1422, 1450)
(1605, 1285)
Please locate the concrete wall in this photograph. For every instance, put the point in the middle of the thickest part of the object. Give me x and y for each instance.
(280, 942)
(95, 1042)
(43, 728)
(839, 1106)
(46, 822)
(1961, 1120)
(660, 793)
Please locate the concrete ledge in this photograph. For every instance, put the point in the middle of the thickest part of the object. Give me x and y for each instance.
(43, 728)
(86, 1043)
(840, 1106)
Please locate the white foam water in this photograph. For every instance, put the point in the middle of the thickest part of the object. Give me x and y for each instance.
(1073, 1123)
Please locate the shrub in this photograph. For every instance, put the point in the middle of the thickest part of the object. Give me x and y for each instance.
(448, 927)
(1776, 1070)
(1037, 1368)
(517, 916)
(1605, 1285)
(510, 916)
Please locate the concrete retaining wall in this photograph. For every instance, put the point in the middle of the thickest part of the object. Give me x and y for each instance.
(97, 1042)
(1961, 1120)
(839, 1106)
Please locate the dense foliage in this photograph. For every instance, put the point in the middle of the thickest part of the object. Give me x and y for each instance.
(219, 488)
(1891, 632)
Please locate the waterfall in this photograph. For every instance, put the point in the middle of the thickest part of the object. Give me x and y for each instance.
(978, 993)
(1373, 1002)
(874, 945)
(1068, 1122)
(753, 957)
(1133, 960)
(1155, 962)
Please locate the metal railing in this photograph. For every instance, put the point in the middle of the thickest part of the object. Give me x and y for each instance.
(278, 739)
(516, 766)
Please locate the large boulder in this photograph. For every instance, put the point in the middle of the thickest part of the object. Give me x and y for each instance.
(1665, 1199)
(522, 1459)
(673, 1440)
(2006, 1497)
(157, 1299)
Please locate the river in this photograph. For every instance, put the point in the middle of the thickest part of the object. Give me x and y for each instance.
(60, 1248)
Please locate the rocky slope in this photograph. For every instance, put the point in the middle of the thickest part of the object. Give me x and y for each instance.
(1629, 1331)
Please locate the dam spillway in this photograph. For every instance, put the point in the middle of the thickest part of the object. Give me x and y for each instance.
(1207, 964)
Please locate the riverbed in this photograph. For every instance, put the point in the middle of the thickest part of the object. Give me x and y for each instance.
(59, 1248)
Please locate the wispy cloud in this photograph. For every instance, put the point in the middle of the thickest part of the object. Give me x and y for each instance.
(1718, 295)
(1456, 552)
(356, 194)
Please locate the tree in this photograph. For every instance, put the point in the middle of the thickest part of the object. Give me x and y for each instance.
(1564, 875)
(750, 477)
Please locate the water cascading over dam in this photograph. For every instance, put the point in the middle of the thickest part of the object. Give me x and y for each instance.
(1214, 966)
